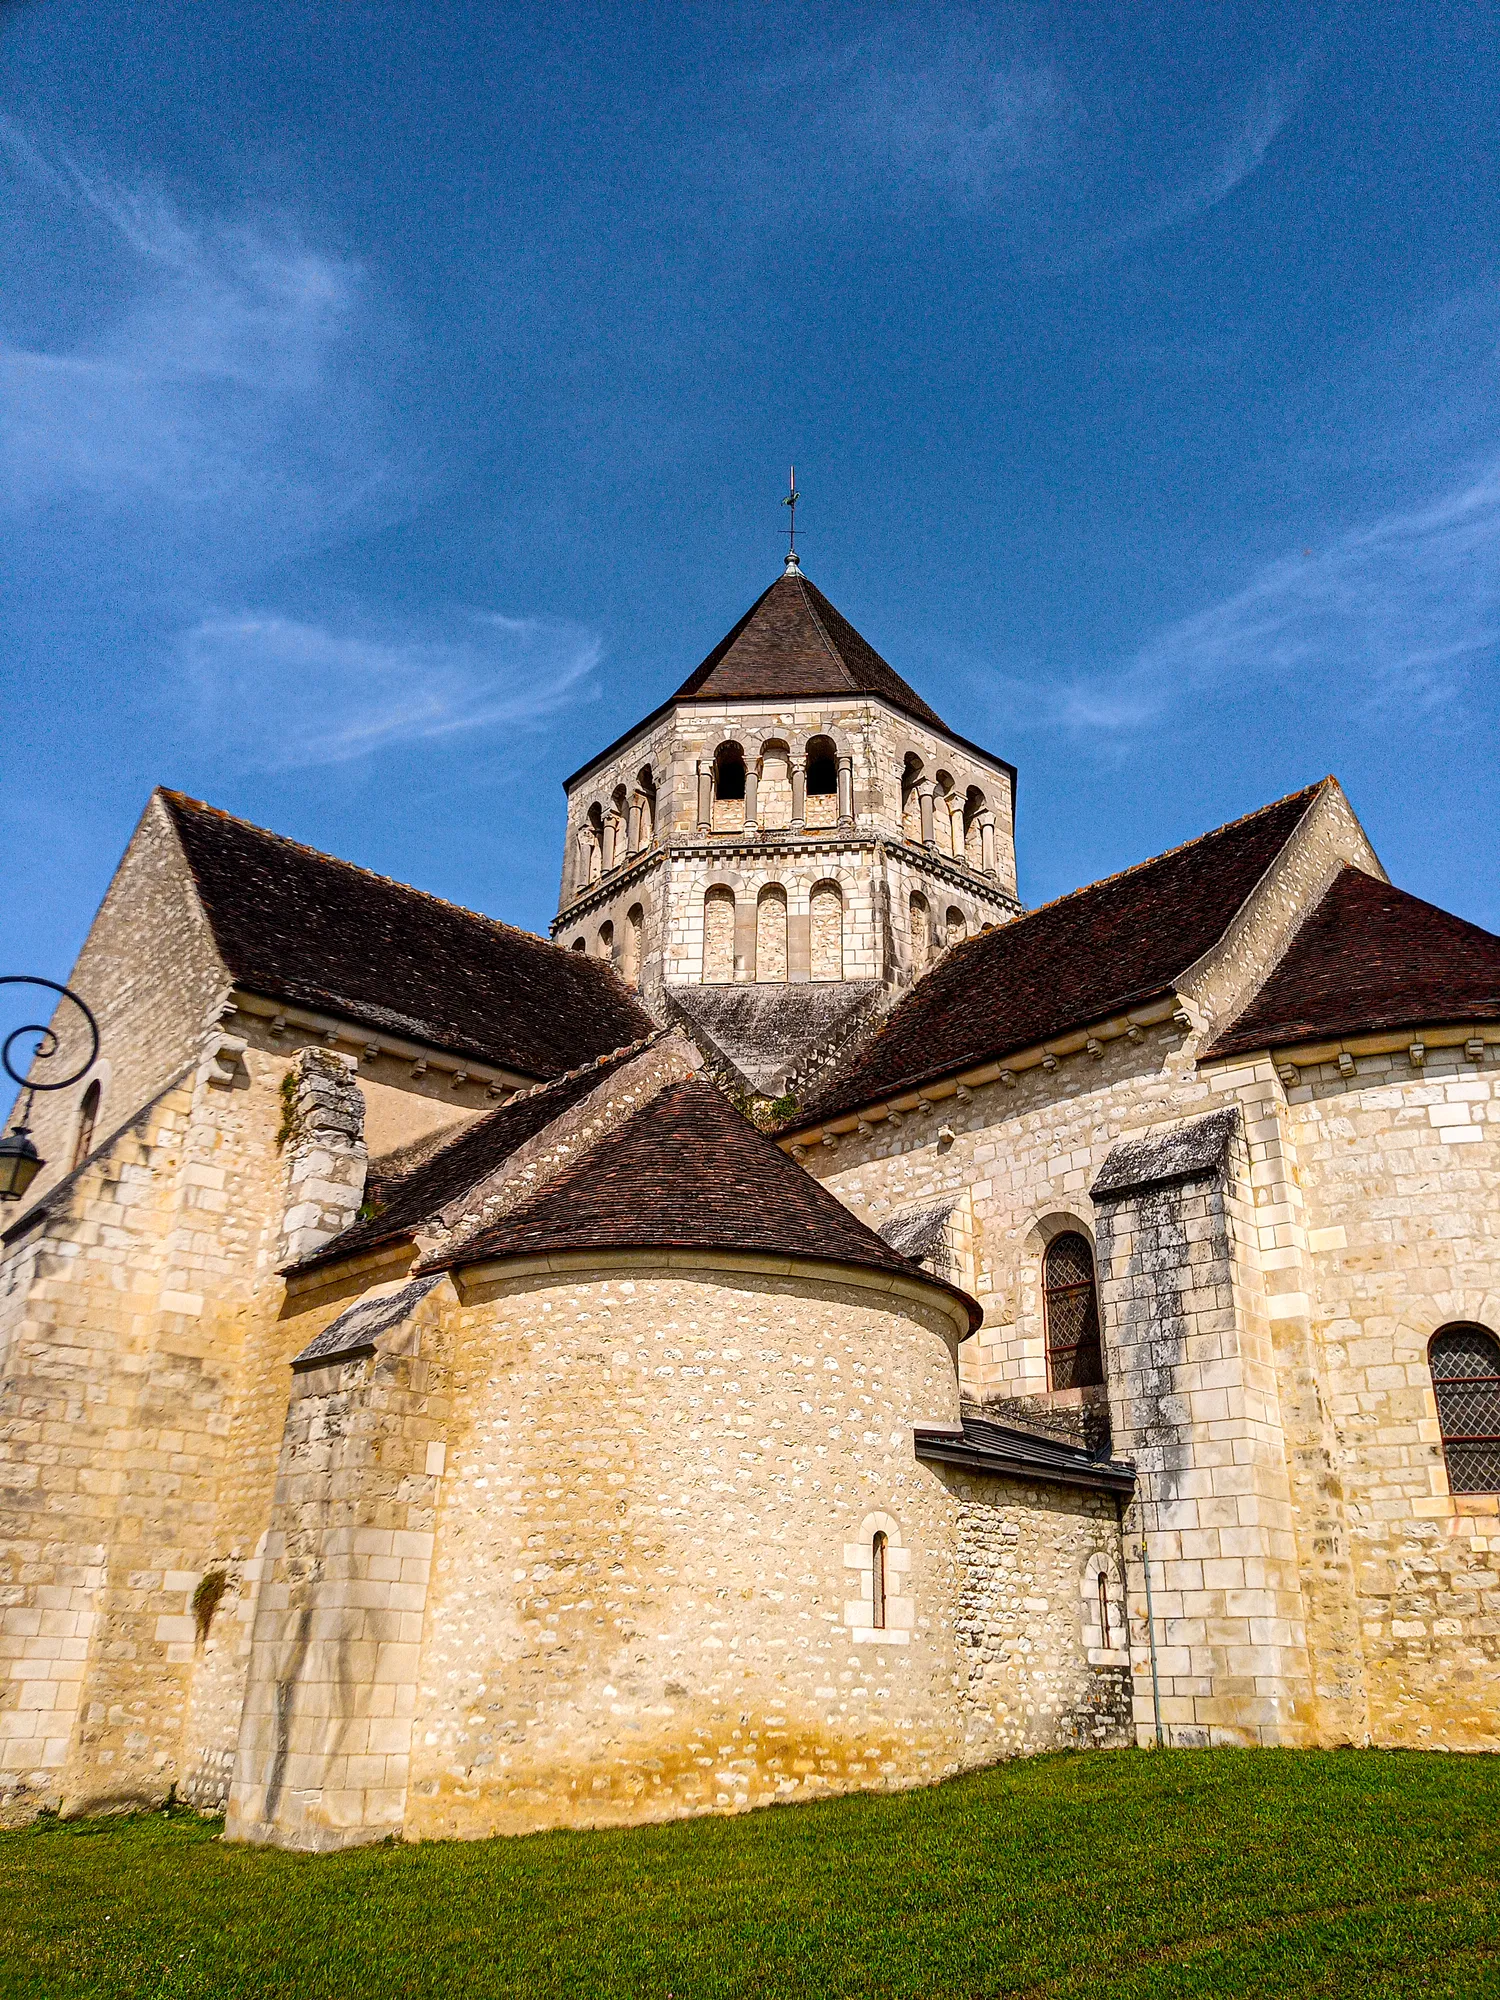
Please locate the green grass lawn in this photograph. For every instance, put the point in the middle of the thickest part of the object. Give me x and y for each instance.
(1167, 1873)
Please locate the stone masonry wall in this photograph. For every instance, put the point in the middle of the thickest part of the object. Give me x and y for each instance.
(151, 1026)
(1390, 1229)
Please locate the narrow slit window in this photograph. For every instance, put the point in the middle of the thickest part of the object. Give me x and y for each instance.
(88, 1117)
(877, 1583)
(1071, 1304)
(1103, 1610)
(1465, 1364)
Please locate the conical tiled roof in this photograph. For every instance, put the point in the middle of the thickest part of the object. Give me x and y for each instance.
(792, 642)
(688, 1171)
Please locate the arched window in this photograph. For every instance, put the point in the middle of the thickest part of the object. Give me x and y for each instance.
(645, 808)
(88, 1114)
(718, 936)
(911, 802)
(774, 807)
(1104, 1634)
(729, 789)
(729, 771)
(973, 837)
(580, 944)
(596, 841)
(635, 932)
(920, 919)
(1465, 1364)
(605, 946)
(1071, 1304)
(877, 1581)
(827, 923)
(956, 927)
(770, 935)
(822, 808)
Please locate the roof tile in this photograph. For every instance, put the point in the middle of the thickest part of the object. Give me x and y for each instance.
(293, 924)
(793, 642)
(1371, 957)
(688, 1171)
(1116, 944)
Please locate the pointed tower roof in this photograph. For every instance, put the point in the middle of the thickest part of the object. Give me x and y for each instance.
(793, 642)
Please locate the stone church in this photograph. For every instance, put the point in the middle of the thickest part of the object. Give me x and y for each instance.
(811, 1325)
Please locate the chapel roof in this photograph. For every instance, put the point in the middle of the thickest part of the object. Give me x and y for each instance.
(293, 924)
(688, 1171)
(404, 1201)
(793, 642)
(1371, 957)
(1115, 944)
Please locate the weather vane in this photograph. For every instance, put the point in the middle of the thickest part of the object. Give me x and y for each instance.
(792, 497)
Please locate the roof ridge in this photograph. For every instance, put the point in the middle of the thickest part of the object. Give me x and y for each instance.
(807, 588)
(1120, 874)
(355, 867)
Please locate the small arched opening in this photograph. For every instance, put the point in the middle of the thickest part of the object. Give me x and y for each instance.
(604, 943)
(919, 929)
(911, 799)
(822, 782)
(718, 936)
(770, 935)
(826, 924)
(88, 1118)
(633, 944)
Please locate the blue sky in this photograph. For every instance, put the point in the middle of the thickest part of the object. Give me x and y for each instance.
(395, 402)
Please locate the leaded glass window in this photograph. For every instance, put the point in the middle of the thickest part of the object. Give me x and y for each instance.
(1071, 1300)
(1465, 1363)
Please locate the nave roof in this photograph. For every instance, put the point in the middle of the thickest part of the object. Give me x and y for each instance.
(293, 924)
(1116, 944)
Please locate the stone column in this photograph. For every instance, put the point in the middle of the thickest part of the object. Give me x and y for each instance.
(987, 842)
(956, 827)
(705, 798)
(325, 1152)
(846, 791)
(633, 825)
(799, 794)
(752, 788)
(924, 793)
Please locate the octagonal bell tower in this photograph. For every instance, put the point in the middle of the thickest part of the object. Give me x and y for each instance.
(788, 842)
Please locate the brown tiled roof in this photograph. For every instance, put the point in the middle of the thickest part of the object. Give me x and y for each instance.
(293, 924)
(1116, 944)
(473, 1152)
(688, 1171)
(792, 642)
(1371, 957)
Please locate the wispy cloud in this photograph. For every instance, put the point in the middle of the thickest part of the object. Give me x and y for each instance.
(1406, 608)
(218, 374)
(1236, 158)
(337, 695)
(992, 119)
(958, 118)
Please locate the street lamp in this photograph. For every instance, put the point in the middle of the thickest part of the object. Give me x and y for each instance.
(20, 1162)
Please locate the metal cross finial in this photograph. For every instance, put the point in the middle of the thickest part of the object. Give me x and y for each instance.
(793, 496)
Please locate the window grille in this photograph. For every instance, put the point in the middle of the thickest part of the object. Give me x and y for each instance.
(1465, 1363)
(1071, 1304)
